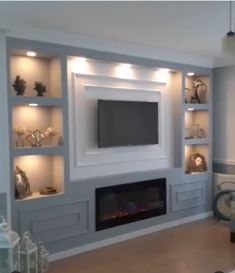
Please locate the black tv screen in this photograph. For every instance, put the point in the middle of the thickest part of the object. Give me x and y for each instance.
(124, 123)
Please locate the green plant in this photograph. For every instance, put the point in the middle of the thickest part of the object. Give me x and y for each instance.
(19, 85)
(40, 88)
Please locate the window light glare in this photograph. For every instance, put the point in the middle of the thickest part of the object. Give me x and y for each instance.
(31, 54)
(190, 74)
(33, 104)
(191, 109)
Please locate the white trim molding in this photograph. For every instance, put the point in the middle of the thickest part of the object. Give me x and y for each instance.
(96, 80)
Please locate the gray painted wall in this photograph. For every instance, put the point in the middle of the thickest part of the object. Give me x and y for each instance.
(223, 123)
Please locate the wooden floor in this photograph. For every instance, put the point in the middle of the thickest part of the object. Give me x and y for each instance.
(198, 247)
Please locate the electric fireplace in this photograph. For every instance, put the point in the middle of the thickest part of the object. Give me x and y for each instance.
(125, 203)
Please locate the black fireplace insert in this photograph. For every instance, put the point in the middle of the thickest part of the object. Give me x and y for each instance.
(126, 203)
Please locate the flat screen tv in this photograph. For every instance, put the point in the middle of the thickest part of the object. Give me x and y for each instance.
(127, 123)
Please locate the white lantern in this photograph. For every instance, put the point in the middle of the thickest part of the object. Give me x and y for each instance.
(43, 259)
(28, 254)
(9, 248)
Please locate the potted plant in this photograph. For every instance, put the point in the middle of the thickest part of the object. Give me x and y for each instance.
(19, 85)
(40, 88)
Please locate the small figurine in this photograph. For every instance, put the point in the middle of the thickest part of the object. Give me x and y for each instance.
(22, 186)
(40, 88)
(19, 85)
(20, 132)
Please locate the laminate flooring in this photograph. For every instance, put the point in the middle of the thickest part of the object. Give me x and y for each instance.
(198, 247)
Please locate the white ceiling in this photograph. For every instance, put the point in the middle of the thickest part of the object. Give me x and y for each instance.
(184, 27)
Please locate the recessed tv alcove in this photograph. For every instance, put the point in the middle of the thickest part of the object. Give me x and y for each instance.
(126, 203)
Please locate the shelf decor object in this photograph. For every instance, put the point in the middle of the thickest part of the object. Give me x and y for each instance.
(43, 259)
(22, 186)
(40, 88)
(48, 190)
(28, 254)
(19, 85)
(196, 163)
(35, 138)
(9, 248)
(20, 133)
(198, 92)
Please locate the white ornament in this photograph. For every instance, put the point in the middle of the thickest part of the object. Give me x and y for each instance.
(28, 254)
(9, 248)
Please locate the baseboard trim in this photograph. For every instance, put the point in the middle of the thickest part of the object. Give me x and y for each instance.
(127, 236)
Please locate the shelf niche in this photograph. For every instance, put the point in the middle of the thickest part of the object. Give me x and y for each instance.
(44, 69)
(42, 171)
(36, 118)
(200, 118)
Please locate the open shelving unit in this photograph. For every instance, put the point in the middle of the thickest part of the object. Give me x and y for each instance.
(37, 123)
(197, 125)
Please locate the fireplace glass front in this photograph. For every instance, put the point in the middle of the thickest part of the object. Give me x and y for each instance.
(125, 203)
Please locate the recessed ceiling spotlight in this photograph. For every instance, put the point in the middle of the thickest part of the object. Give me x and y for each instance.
(33, 104)
(125, 65)
(165, 69)
(82, 59)
(190, 74)
(191, 109)
(31, 54)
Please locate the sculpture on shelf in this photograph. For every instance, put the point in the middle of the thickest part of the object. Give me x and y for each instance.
(40, 88)
(196, 163)
(60, 141)
(50, 132)
(20, 132)
(19, 85)
(199, 89)
(35, 138)
(22, 186)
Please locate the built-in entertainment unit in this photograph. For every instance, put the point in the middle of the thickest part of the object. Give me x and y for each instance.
(124, 123)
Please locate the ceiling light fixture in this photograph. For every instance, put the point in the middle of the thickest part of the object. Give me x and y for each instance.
(31, 54)
(190, 74)
(228, 42)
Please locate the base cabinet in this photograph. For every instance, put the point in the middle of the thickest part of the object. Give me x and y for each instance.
(188, 195)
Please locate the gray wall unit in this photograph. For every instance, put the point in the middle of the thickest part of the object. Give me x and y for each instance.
(190, 195)
(3, 204)
(51, 224)
(68, 220)
(64, 223)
